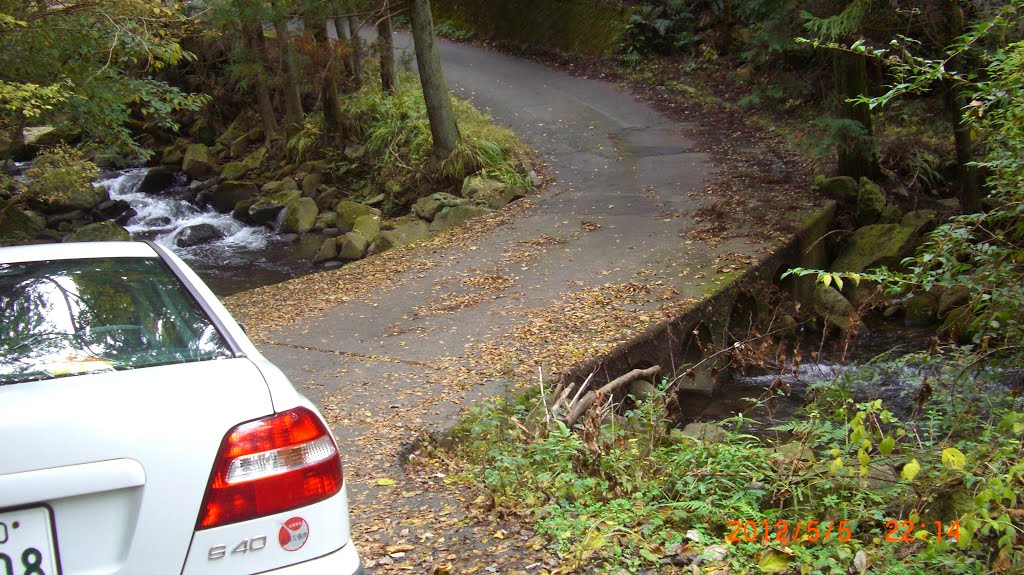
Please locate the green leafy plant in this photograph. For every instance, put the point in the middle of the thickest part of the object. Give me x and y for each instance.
(307, 140)
(396, 132)
(59, 173)
(629, 492)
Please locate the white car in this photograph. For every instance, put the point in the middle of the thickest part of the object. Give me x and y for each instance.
(142, 433)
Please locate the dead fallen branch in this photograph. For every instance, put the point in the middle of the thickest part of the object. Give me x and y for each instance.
(578, 408)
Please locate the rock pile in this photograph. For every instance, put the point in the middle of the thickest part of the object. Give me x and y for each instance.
(883, 236)
(232, 176)
(73, 213)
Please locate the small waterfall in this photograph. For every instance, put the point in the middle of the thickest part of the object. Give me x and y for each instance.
(247, 256)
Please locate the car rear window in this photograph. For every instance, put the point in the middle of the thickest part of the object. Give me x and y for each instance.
(60, 318)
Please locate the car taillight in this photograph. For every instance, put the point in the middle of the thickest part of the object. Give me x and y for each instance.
(270, 465)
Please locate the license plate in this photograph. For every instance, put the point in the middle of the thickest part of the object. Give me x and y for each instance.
(28, 543)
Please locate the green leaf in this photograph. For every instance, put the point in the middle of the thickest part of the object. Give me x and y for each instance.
(385, 482)
(774, 561)
(887, 445)
(863, 457)
(910, 470)
(953, 458)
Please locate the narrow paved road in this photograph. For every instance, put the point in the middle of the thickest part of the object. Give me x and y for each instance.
(458, 318)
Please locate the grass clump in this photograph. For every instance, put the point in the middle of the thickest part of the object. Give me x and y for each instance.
(396, 133)
(633, 493)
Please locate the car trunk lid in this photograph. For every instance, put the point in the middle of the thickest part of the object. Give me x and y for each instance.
(120, 460)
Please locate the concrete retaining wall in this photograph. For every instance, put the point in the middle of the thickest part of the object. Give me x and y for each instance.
(686, 340)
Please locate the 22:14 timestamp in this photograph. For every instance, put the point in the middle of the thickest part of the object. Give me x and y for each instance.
(903, 531)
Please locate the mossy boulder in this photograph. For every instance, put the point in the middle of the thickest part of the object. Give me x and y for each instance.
(842, 189)
(236, 170)
(17, 225)
(874, 246)
(833, 307)
(352, 246)
(241, 143)
(795, 451)
(349, 211)
(298, 216)
(368, 226)
(314, 167)
(278, 186)
(225, 196)
(456, 216)
(642, 390)
(355, 151)
(65, 199)
(200, 163)
(870, 203)
(264, 211)
(174, 154)
(709, 432)
(891, 215)
(233, 171)
(326, 220)
(921, 310)
(198, 235)
(101, 232)
(158, 179)
(474, 186)
(310, 184)
(328, 251)
(327, 199)
(500, 198)
(239, 127)
(402, 235)
(428, 207)
(241, 211)
(921, 221)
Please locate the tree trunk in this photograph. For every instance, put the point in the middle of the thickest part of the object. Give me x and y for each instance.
(386, 45)
(290, 87)
(443, 129)
(357, 51)
(970, 179)
(341, 27)
(329, 84)
(858, 156)
(263, 100)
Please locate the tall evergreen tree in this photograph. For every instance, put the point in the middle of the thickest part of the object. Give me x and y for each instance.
(443, 127)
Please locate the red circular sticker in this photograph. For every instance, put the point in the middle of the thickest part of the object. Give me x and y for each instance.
(293, 534)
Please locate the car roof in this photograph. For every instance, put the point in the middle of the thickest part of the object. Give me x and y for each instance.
(76, 251)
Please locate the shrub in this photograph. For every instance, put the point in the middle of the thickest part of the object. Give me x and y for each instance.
(396, 132)
(61, 179)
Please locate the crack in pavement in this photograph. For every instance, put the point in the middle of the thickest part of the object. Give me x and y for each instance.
(352, 355)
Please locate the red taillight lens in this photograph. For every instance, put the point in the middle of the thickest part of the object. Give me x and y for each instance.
(270, 465)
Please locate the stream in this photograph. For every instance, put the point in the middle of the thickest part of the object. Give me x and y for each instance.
(772, 396)
(247, 257)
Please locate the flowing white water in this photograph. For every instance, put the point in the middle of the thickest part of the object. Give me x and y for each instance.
(247, 256)
(162, 218)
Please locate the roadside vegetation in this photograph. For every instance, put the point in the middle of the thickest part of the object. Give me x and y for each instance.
(629, 491)
(924, 104)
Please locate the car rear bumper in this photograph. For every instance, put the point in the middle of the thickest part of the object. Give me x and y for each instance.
(344, 561)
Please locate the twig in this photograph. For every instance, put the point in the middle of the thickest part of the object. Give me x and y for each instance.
(543, 396)
(582, 388)
(588, 400)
